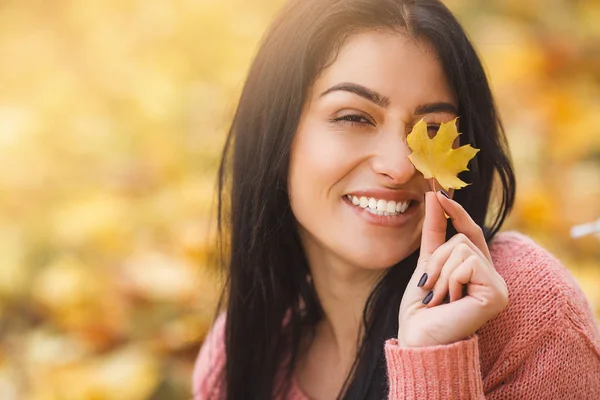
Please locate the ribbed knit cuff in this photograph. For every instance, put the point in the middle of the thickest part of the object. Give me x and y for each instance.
(447, 372)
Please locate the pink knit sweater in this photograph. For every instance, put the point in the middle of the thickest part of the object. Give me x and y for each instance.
(544, 345)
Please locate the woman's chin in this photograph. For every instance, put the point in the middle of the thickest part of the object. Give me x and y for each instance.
(378, 261)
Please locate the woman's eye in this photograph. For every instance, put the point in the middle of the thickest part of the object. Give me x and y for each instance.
(432, 129)
(353, 119)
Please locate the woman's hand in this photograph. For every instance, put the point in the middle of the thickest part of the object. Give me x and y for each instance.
(443, 268)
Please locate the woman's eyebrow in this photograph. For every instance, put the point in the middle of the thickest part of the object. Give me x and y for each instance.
(384, 102)
(362, 91)
(435, 108)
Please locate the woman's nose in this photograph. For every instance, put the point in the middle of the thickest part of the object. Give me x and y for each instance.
(391, 158)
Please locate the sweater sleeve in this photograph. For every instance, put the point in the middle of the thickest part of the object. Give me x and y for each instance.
(438, 372)
(209, 363)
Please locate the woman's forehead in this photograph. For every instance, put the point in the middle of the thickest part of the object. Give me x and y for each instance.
(398, 67)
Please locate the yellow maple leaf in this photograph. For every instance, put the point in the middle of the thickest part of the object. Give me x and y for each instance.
(435, 157)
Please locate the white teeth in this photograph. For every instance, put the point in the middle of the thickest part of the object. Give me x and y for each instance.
(379, 207)
(391, 207)
(364, 202)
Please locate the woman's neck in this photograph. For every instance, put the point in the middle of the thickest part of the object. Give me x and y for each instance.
(343, 291)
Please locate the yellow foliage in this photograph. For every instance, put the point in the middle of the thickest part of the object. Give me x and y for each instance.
(436, 158)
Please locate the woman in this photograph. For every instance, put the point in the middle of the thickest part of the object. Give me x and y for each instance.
(327, 299)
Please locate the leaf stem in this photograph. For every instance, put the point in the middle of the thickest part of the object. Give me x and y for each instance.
(432, 182)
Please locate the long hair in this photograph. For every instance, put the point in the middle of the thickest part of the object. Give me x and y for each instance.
(270, 304)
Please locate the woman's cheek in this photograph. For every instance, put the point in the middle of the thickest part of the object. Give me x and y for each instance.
(334, 148)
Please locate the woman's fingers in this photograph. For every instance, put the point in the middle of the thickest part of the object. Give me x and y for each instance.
(461, 276)
(432, 237)
(459, 254)
(436, 261)
(444, 269)
(434, 227)
(464, 224)
(485, 286)
(438, 258)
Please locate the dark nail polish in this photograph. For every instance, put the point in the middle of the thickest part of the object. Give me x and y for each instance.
(428, 298)
(422, 280)
(443, 192)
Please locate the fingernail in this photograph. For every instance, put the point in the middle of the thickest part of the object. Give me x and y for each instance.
(443, 192)
(428, 298)
(422, 280)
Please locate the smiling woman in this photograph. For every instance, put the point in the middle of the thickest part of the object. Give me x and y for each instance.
(345, 278)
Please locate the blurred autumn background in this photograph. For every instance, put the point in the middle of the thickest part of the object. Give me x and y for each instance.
(112, 115)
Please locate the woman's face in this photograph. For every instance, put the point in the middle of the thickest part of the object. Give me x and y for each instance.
(355, 194)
